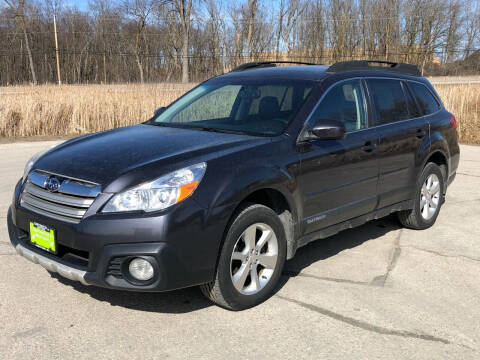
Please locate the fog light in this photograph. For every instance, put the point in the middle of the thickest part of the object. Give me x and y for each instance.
(141, 269)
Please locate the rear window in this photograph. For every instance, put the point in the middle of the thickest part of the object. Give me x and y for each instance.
(389, 100)
(426, 101)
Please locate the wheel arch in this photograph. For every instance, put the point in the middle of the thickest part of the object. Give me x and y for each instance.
(440, 158)
(438, 152)
(281, 203)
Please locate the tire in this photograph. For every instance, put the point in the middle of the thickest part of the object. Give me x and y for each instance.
(254, 243)
(423, 215)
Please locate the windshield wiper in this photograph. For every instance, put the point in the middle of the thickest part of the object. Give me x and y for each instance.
(171, 125)
(201, 128)
(226, 131)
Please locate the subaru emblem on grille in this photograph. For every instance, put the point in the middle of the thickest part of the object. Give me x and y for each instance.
(52, 184)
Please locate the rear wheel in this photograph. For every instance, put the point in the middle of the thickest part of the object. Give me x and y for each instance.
(251, 259)
(427, 201)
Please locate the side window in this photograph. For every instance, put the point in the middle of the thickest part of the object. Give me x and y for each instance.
(427, 103)
(345, 102)
(389, 100)
(412, 106)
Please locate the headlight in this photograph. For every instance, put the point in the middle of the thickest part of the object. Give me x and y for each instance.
(160, 193)
(33, 160)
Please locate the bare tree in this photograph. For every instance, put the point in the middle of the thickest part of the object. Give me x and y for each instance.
(472, 26)
(411, 29)
(388, 27)
(342, 30)
(312, 31)
(288, 15)
(18, 7)
(252, 8)
(215, 36)
(184, 10)
(139, 11)
(103, 11)
(452, 36)
(236, 34)
(175, 40)
(432, 29)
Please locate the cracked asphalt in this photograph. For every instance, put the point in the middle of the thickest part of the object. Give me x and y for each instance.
(373, 292)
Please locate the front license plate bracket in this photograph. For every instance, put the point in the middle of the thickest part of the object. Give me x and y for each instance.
(43, 237)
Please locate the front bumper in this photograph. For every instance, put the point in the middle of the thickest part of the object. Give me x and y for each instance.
(182, 244)
(51, 265)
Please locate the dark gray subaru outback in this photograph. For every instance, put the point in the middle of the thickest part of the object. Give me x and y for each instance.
(226, 183)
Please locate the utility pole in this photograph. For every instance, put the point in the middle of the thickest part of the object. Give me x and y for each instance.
(56, 49)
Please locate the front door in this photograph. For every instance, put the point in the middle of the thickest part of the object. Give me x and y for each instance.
(338, 178)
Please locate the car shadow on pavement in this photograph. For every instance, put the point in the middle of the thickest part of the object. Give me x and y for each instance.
(174, 302)
(325, 248)
(191, 299)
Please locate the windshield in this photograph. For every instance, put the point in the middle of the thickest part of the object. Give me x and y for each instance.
(256, 109)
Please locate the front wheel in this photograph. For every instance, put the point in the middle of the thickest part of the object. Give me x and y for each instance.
(251, 259)
(428, 199)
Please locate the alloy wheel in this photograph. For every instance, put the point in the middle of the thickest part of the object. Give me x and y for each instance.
(254, 258)
(430, 197)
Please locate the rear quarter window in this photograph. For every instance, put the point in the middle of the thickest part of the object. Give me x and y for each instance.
(425, 100)
(412, 105)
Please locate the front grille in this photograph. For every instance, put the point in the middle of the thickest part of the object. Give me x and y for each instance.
(69, 203)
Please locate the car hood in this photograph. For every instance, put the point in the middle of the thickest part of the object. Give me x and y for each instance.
(145, 150)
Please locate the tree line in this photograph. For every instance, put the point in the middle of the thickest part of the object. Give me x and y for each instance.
(116, 41)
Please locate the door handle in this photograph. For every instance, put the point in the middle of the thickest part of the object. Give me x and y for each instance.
(369, 146)
(421, 133)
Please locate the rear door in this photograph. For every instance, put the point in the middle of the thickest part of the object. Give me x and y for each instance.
(338, 178)
(402, 131)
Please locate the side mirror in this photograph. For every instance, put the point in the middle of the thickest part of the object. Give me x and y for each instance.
(328, 130)
(159, 110)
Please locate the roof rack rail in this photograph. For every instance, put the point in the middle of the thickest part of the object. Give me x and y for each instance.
(389, 66)
(262, 64)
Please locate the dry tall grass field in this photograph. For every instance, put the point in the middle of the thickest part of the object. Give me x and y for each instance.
(51, 110)
(464, 102)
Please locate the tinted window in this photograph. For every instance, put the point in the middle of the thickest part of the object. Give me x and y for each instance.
(427, 103)
(345, 103)
(412, 106)
(389, 100)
